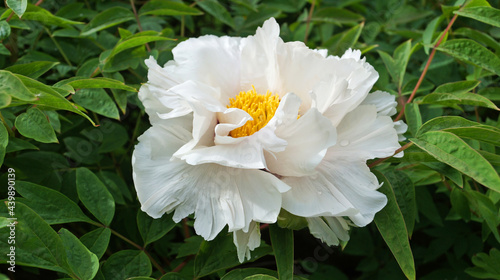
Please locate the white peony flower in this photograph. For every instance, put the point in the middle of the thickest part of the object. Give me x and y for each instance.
(242, 127)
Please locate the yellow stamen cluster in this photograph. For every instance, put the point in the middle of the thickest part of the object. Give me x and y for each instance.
(260, 107)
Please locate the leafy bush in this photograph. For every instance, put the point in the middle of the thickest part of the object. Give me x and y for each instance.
(70, 73)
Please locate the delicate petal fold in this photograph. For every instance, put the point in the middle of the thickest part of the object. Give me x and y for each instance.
(345, 187)
(384, 101)
(217, 195)
(246, 241)
(329, 229)
(308, 139)
(364, 135)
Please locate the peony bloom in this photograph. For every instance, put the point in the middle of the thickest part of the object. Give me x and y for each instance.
(242, 127)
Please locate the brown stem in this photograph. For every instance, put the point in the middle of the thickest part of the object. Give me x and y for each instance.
(379, 161)
(181, 265)
(186, 228)
(309, 16)
(138, 21)
(431, 56)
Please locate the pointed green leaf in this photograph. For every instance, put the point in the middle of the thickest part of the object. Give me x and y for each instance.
(37, 244)
(413, 117)
(4, 141)
(153, 229)
(487, 15)
(460, 204)
(391, 225)
(405, 196)
(336, 16)
(339, 43)
(483, 205)
(16, 144)
(125, 264)
(18, 6)
(108, 18)
(4, 29)
(238, 274)
(82, 262)
(447, 99)
(136, 40)
(94, 195)
(49, 97)
(97, 100)
(472, 52)
(479, 37)
(43, 16)
(282, 241)
(35, 124)
(450, 149)
(486, 266)
(51, 205)
(168, 8)
(97, 241)
(12, 85)
(260, 277)
(457, 87)
(429, 32)
(33, 69)
(214, 8)
(83, 82)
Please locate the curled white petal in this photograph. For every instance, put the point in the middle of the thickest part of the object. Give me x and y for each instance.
(329, 229)
(246, 241)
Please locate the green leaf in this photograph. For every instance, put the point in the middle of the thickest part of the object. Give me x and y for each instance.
(191, 246)
(214, 8)
(413, 117)
(34, 124)
(238, 274)
(4, 50)
(4, 141)
(125, 264)
(137, 40)
(336, 15)
(220, 253)
(404, 192)
(95, 196)
(459, 202)
(4, 30)
(447, 99)
(97, 100)
(472, 52)
(37, 244)
(282, 241)
(5, 100)
(108, 18)
(479, 37)
(172, 276)
(153, 229)
(82, 262)
(396, 65)
(391, 225)
(51, 205)
(97, 241)
(457, 87)
(12, 85)
(288, 220)
(463, 128)
(450, 149)
(492, 93)
(49, 97)
(83, 82)
(429, 32)
(43, 16)
(168, 8)
(485, 266)
(33, 70)
(487, 15)
(260, 277)
(339, 43)
(18, 6)
(483, 205)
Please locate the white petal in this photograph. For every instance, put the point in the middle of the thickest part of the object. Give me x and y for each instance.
(308, 139)
(329, 229)
(246, 241)
(217, 195)
(384, 101)
(340, 188)
(401, 129)
(364, 135)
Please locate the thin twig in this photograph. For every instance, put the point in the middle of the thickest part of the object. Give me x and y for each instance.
(379, 161)
(186, 228)
(138, 21)
(58, 47)
(424, 72)
(309, 16)
(181, 265)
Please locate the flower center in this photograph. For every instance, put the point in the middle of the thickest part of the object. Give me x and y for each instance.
(260, 107)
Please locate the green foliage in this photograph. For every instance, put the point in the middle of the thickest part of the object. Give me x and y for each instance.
(69, 78)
